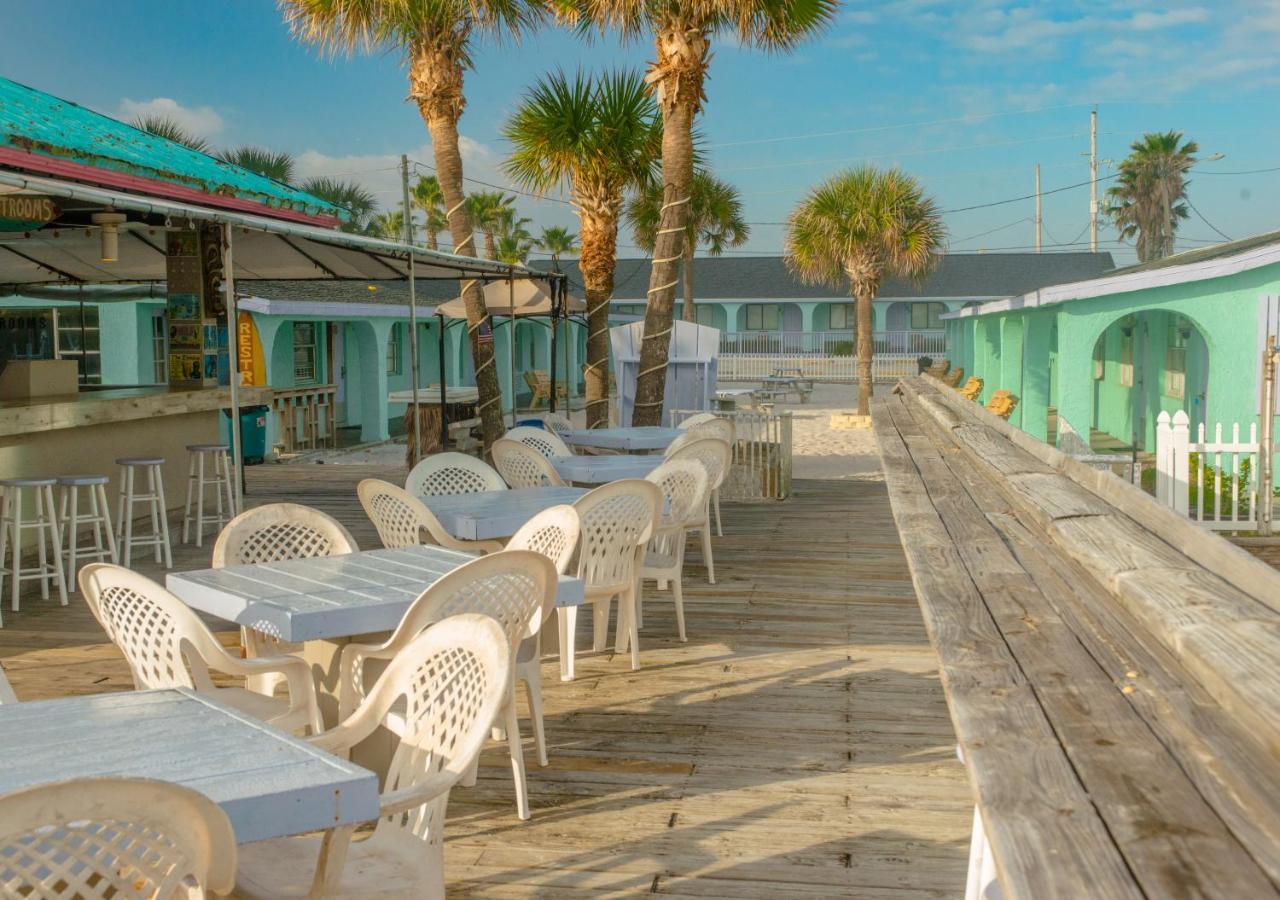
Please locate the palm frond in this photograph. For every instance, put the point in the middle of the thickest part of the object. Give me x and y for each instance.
(163, 127)
(274, 164)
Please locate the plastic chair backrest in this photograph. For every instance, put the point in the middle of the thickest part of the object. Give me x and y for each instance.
(713, 453)
(401, 518)
(546, 442)
(553, 533)
(522, 465)
(696, 419)
(684, 484)
(280, 531)
(114, 837)
(716, 427)
(617, 518)
(452, 473)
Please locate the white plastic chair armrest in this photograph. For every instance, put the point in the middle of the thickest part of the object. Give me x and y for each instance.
(395, 802)
(351, 689)
(297, 675)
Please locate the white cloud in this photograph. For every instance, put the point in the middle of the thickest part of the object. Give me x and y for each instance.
(1154, 21)
(202, 121)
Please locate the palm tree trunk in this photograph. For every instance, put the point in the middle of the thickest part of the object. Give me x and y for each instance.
(690, 312)
(433, 241)
(490, 250)
(443, 126)
(866, 346)
(599, 243)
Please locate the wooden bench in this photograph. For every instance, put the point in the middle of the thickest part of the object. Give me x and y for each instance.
(539, 383)
(1002, 404)
(939, 369)
(972, 388)
(1112, 670)
(956, 376)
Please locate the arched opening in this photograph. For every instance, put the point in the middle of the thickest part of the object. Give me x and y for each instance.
(1145, 363)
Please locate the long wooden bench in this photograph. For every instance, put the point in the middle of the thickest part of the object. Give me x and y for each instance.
(1112, 671)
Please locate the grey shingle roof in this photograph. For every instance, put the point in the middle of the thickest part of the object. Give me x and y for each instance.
(745, 278)
(1202, 254)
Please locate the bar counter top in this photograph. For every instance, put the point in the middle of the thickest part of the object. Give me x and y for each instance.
(39, 414)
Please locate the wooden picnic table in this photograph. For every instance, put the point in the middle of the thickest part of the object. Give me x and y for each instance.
(1112, 670)
(638, 437)
(269, 784)
(604, 469)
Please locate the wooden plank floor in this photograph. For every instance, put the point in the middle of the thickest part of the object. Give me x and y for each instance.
(797, 746)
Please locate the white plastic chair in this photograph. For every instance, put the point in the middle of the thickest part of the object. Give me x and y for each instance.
(554, 534)
(557, 423)
(515, 588)
(6, 692)
(546, 442)
(617, 521)
(716, 456)
(452, 473)
(696, 419)
(167, 646)
(445, 687)
(523, 466)
(95, 838)
(272, 533)
(403, 520)
(684, 484)
(714, 427)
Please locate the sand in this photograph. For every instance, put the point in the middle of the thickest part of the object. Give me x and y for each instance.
(818, 451)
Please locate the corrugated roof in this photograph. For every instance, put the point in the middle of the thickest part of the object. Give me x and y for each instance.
(767, 277)
(37, 129)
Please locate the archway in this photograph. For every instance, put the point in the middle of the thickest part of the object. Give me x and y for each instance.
(1145, 363)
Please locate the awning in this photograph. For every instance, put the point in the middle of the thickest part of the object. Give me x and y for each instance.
(264, 247)
(524, 297)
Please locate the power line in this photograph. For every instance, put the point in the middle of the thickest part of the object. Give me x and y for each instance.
(1203, 219)
(1246, 172)
(991, 231)
(499, 187)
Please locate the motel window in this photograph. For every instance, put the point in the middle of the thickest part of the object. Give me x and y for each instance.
(395, 356)
(842, 317)
(1175, 358)
(159, 348)
(1126, 351)
(706, 315)
(925, 316)
(305, 353)
(764, 317)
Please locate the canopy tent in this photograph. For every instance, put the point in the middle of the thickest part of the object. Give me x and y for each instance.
(69, 251)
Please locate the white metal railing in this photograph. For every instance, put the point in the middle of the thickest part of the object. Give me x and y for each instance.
(1211, 480)
(823, 355)
(761, 467)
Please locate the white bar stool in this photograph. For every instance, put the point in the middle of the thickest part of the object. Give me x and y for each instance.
(154, 500)
(198, 482)
(97, 515)
(45, 525)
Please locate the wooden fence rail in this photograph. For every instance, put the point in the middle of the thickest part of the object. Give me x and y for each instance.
(306, 418)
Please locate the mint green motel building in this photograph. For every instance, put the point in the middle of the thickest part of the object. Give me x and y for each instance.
(1110, 353)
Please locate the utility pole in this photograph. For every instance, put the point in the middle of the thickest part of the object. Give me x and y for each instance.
(415, 442)
(1038, 216)
(1093, 180)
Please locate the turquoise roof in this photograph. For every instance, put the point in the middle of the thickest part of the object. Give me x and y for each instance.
(42, 124)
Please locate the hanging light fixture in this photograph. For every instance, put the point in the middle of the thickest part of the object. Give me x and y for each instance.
(110, 223)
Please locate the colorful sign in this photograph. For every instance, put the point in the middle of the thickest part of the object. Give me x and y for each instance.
(23, 212)
(252, 362)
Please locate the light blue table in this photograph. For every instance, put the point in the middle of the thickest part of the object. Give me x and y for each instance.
(495, 515)
(604, 469)
(640, 437)
(268, 783)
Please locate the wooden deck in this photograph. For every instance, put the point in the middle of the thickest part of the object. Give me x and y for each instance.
(797, 746)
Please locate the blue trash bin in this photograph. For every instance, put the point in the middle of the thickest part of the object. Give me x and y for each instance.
(253, 433)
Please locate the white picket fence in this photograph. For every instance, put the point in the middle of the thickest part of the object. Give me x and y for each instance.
(761, 465)
(824, 355)
(1225, 481)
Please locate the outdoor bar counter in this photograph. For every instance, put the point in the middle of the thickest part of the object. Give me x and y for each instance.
(84, 434)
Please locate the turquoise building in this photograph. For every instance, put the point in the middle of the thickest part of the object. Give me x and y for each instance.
(1110, 353)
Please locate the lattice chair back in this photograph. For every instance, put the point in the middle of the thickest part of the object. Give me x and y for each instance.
(553, 533)
(158, 634)
(685, 485)
(452, 473)
(696, 419)
(546, 442)
(713, 453)
(114, 837)
(557, 423)
(280, 531)
(617, 521)
(401, 519)
(522, 465)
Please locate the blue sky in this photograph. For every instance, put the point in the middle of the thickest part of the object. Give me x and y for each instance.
(967, 96)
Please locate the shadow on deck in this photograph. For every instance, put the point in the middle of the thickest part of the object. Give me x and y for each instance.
(797, 746)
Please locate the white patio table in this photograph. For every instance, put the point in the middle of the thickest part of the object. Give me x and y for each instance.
(604, 469)
(639, 437)
(496, 515)
(268, 783)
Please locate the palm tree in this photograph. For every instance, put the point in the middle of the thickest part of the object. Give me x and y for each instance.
(863, 225)
(557, 241)
(599, 137)
(436, 39)
(715, 222)
(388, 225)
(273, 164)
(429, 197)
(682, 35)
(1147, 202)
(348, 195)
(487, 209)
(170, 130)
